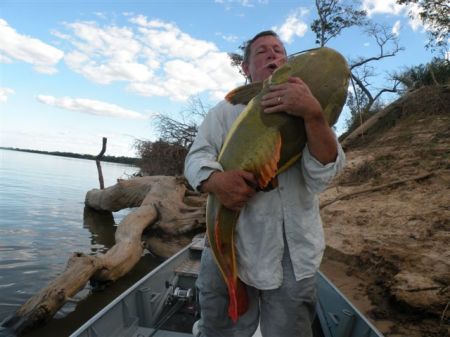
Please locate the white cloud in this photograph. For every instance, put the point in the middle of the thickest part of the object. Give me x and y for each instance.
(4, 93)
(212, 72)
(393, 8)
(293, 25)
(105, 54)
(153, 57)
(382, 7)
(27, 49)
(396, 28)
(90, 106)
(415, 21)
(228, 37)
(168, 39)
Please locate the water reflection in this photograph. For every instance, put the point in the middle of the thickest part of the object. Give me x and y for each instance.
(102, 226)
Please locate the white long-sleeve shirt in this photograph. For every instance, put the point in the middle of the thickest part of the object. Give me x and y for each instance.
(292, 206)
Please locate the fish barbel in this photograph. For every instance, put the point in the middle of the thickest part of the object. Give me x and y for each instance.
(268, 144)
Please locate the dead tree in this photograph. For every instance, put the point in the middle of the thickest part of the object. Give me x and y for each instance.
(362, 69)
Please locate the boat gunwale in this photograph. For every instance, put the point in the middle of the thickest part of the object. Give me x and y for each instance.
(132, 288)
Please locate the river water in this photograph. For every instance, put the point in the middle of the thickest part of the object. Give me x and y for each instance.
(43, 221)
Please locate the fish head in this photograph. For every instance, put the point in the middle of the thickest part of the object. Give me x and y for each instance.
(281, 74)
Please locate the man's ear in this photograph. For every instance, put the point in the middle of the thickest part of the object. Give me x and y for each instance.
(245, 69)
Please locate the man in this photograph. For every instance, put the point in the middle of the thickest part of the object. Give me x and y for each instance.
(279, 235)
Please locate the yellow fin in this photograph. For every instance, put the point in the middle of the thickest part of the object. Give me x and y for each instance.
(267, 171)
(243, 94)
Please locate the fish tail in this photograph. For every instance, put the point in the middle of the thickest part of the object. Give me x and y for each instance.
(238, 299)
(226, 258)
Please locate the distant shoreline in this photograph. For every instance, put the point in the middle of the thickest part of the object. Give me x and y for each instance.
(110, 159)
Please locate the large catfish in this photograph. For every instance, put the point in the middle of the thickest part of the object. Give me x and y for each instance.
(266, 145)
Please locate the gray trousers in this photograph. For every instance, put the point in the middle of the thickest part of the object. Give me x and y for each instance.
(287, 311)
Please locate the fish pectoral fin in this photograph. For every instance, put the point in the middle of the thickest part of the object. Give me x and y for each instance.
(244, 94)
(267, 166)
(271, 185)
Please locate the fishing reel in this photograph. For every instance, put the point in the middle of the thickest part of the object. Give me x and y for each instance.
(179, 294)
(180, 309)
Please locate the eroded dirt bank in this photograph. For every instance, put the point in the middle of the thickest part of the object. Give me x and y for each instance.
(388, 239)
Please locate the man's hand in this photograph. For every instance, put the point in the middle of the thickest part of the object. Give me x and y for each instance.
(233, 188)
(293, 97)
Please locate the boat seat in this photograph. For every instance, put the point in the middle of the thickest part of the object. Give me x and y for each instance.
(189, 267)
(198, 243)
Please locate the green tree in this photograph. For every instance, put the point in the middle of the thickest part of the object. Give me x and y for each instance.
(357, 103)
(333, 17)
(237, 58)
(435, 15)
(437, 72)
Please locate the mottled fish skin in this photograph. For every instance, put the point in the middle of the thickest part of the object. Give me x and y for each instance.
(266, 145)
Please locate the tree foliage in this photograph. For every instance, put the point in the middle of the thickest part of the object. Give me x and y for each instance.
(437, 72)
(333, 17)
(166, 156)
(176, 132)
(237, 58)
(435, 15)
(160, 158)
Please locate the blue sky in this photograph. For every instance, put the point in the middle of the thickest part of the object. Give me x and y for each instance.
(72, 72)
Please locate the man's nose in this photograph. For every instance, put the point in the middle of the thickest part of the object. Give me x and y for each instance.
(271, 54)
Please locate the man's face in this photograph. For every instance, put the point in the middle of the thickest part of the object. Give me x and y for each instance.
(266, 54)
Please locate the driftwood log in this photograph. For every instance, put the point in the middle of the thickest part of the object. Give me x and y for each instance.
(164, 204)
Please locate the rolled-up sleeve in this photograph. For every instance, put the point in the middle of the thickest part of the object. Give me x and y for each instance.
(317, 175)
(201, 160)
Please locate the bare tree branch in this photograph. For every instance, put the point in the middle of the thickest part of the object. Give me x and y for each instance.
(362, 71)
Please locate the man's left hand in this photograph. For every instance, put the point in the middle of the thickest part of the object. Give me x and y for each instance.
(294, 98)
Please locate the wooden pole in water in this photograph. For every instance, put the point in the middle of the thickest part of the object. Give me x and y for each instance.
(97, 161)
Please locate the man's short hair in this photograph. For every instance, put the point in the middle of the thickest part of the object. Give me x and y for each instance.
(248, 44)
